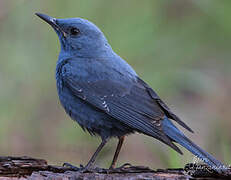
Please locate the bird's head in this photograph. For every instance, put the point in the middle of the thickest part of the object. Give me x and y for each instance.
(79, 37)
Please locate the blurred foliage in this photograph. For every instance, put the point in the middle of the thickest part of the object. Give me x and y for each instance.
(181, 48)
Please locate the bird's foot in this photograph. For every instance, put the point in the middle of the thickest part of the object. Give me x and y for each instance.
(93, 169)
(127, 167)
(85, 169)
(124, 166)
(71, 167)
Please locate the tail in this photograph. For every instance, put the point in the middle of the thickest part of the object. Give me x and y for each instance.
(176, 135)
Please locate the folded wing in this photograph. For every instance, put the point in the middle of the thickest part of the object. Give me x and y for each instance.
(127, 101)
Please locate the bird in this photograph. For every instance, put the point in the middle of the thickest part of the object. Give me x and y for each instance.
(105, 96)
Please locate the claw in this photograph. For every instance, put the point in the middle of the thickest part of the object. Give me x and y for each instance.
(73, 168)
(126, 165)
(83, 169)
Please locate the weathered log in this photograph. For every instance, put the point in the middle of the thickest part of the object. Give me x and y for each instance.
(20, 168)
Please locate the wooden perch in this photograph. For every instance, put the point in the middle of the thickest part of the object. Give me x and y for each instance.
(20, 168)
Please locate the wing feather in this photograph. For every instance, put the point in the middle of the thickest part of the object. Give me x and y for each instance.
(128, 102)
(164, 107)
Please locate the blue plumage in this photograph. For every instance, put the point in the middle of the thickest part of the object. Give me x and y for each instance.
(103, 93)
(176, 135)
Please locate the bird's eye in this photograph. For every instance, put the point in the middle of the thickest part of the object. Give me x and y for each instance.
(74, 31)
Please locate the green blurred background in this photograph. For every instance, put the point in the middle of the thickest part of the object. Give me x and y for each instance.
(181, 48)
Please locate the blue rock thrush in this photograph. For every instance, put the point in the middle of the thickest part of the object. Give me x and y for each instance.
(100, 91)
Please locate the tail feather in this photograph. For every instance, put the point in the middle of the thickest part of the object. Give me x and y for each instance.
(176, 135)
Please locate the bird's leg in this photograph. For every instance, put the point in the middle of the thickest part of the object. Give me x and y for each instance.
(119, 145)
(92, 160)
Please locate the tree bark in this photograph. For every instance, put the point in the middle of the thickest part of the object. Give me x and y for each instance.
(21, 168)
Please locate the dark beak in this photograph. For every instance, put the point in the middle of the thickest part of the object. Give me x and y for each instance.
(48, 19)
(52, 21)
